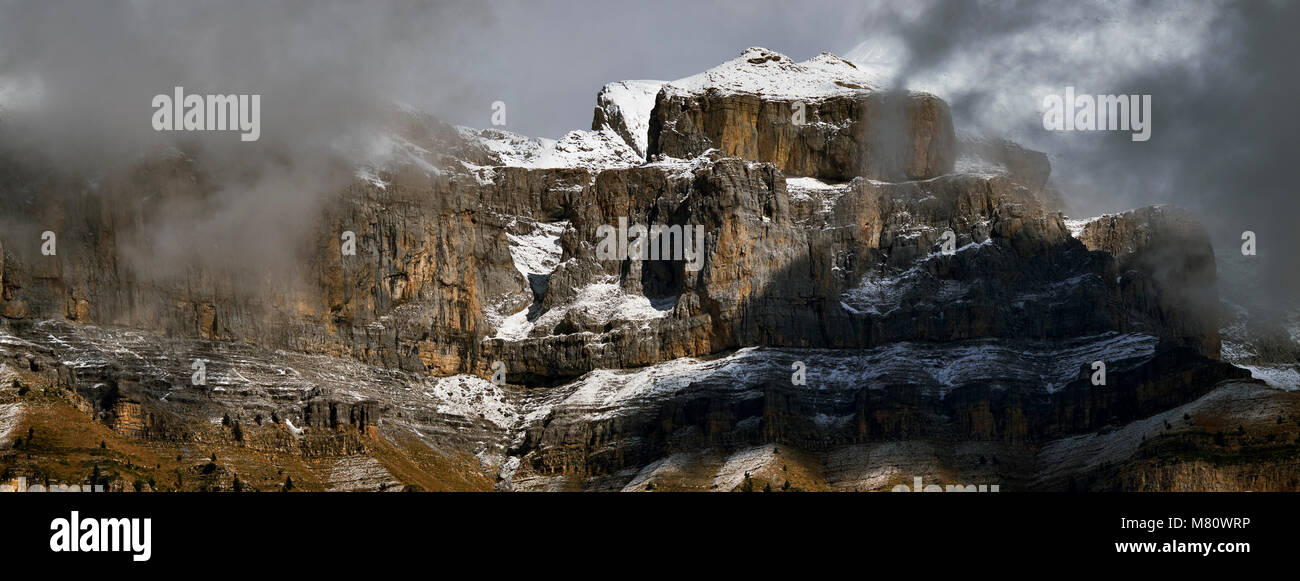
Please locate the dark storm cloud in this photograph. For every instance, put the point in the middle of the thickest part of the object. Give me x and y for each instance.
(1222, 80)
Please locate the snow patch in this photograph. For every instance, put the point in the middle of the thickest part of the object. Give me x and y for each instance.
(633, 101)
(601, 302)
(537, 252)
(1284, 377)
(472, 397)
(578, 149)
(759, 71)
(1076, 226)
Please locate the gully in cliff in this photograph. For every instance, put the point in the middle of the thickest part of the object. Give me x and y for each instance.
(658, 242)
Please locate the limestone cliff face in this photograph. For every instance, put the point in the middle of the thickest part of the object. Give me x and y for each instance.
(875, 135)
(1166, 265)
(945, 314)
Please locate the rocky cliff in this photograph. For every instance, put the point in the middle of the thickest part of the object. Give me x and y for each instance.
(873, 300)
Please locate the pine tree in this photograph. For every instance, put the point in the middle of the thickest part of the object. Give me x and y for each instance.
(288, 484)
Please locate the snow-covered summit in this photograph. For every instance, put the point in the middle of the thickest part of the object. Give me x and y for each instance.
(760, 71)
(624, 107)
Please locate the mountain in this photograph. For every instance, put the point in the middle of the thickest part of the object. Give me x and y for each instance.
(877, 299)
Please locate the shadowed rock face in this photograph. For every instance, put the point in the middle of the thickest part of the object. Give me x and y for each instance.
(1166, 265)
(824, 244)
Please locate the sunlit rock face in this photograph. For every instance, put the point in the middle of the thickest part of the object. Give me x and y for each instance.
(824, 118)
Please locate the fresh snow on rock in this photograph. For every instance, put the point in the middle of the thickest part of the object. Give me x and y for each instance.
(601, 302)
(1076, 226)
(578, 149)
(756, 71)
(515, 327)
(539, 251)
(472, 397)
(632, 101)
(937, 367)
(809, 184)
(759, 71)
(1285, 377)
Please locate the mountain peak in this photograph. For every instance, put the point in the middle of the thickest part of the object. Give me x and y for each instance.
(760, 71)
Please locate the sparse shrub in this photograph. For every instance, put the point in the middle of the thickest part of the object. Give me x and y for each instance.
(747, 485)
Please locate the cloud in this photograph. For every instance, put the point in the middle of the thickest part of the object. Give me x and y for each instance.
(1221, 77)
